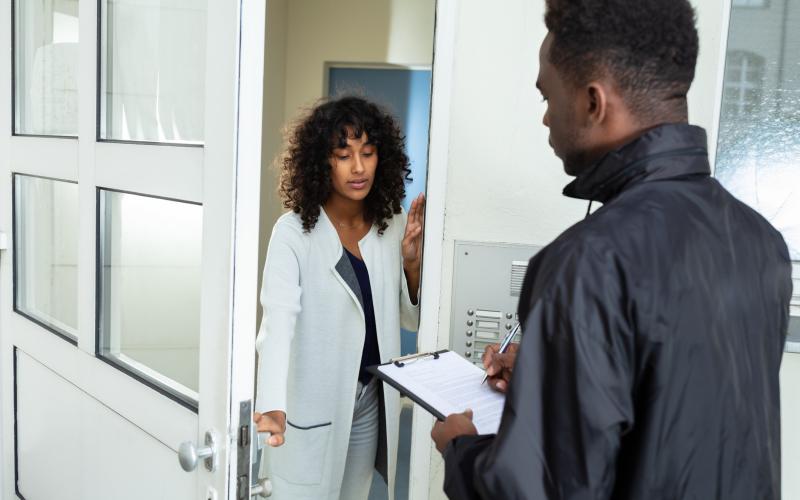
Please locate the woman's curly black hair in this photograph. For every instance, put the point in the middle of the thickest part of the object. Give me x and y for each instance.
(305, 169)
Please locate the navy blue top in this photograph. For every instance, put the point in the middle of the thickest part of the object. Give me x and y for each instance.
(370, 355)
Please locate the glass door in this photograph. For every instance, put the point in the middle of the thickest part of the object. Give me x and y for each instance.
(129, 197)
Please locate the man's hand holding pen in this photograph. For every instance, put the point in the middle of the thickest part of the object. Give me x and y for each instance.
(499, 365)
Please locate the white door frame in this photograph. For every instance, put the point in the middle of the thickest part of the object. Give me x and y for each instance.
(246, 227)
(436, 189)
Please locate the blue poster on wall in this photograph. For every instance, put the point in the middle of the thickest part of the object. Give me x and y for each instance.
(406, 93)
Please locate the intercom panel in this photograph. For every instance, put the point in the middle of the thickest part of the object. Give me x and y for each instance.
(487, 281)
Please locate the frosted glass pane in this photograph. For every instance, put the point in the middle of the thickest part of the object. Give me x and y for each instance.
(794, 307)
(150, 288)
(46, 248)
(46, 67)
(153, 70)
(758, 153)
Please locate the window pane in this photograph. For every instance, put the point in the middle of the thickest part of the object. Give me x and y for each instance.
(46, 67)
(150, 289)
(153, 70)
(794, 306)
(46, 252)
(758, 153)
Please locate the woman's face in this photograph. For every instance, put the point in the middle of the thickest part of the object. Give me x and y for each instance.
(353, 168)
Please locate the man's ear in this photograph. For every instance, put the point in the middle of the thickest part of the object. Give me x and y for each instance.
(597, 102)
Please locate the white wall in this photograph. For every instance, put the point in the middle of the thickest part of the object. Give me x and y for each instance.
(273, 121)
(503, 181)
(790, 424)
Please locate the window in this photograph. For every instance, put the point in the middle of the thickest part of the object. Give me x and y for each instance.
(152, 74)
(758, 151)
(46, 253)
(744, 78)
(795, 304)
(149, 290)
(750, 3)
(46, 67)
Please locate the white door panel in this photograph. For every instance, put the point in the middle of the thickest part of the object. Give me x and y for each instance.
(47, 157)
(160, 417)
(48, 432)
(64, 433)
(166, 171)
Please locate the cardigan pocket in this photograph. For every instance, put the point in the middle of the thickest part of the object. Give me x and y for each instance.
(301, 460)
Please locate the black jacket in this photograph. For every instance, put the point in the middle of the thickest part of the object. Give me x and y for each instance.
(653, 336)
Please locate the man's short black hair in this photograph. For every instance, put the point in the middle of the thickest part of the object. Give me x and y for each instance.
(647, 47)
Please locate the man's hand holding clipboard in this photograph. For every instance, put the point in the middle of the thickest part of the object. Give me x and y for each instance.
(498, 361)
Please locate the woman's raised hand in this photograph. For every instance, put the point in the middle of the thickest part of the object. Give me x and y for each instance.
(412, 240)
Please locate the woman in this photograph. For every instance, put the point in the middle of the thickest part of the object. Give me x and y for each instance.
(341, 278)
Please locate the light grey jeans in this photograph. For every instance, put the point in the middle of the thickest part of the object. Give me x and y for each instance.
(363, 443)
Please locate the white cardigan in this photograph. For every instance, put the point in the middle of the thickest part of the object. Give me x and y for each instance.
(310, 345)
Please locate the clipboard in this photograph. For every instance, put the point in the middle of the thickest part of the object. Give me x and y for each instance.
(443, 383)
(404, 391)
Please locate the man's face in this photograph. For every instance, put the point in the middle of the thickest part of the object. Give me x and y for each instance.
(568, 134)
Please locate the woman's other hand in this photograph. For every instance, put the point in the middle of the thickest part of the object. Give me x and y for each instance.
(273, 422)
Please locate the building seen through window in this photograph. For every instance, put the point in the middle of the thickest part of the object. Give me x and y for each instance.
(758, 150)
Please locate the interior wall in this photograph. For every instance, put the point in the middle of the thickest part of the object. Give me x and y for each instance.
(368, 31)
(790, 430)
(302, 35)
(272, 122)
(503, 181)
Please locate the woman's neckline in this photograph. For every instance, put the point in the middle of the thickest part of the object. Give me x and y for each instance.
(352, 255)
(333, 226)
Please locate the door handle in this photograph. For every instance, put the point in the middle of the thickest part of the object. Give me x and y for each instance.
(189, 455)
(262, 489)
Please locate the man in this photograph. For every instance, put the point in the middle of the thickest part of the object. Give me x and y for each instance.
(653, 329)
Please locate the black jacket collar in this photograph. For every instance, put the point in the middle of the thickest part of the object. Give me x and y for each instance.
(665, 152)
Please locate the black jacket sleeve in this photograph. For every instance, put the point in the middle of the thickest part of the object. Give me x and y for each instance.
(569, 401)
(459, 457)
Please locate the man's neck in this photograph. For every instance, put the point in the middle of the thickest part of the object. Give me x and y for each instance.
(634, 130)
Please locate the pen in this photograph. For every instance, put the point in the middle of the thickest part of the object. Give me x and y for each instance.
(504, 345)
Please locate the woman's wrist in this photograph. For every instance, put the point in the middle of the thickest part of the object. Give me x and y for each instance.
(411, 268)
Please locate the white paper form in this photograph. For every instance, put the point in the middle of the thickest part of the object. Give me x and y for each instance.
(451, 384)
